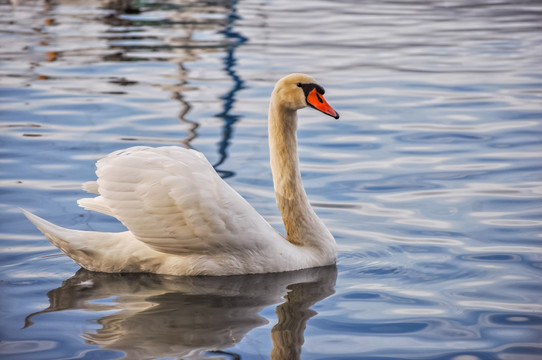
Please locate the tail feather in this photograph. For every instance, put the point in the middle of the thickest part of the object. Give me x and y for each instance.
(95, 251)
(58, 236)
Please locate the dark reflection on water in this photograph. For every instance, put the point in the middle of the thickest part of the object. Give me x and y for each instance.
(151, 316)
(229, 98)
(231, 40)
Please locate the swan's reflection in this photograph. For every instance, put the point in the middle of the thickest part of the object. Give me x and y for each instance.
(151, 316)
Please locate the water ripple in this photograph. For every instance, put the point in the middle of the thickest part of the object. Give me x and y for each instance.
(520, 190)
(431, 181)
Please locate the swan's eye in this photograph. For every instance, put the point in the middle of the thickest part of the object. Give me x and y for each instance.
(298, 84)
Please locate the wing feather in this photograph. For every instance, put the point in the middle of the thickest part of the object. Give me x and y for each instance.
(173, 200)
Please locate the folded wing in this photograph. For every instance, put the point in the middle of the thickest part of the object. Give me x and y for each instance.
(174, 201)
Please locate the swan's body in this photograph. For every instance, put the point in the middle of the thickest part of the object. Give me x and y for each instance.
(183, 219)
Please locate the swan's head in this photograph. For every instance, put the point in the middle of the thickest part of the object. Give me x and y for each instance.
(296, 91)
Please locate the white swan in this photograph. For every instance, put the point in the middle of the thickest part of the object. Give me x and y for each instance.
(183, 219)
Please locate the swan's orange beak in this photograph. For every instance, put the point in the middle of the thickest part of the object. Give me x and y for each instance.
(318, 102)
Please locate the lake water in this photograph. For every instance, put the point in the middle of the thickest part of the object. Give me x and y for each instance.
(431, 181)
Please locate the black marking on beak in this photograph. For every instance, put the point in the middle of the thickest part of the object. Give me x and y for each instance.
(307, 88)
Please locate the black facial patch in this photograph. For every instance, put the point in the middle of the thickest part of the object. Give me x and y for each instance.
(307, 88)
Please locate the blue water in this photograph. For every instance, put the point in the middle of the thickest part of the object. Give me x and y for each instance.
(431, 181)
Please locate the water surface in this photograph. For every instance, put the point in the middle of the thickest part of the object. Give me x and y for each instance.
(431, 181)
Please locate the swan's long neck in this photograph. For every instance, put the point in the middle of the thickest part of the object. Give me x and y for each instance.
(302, 225)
